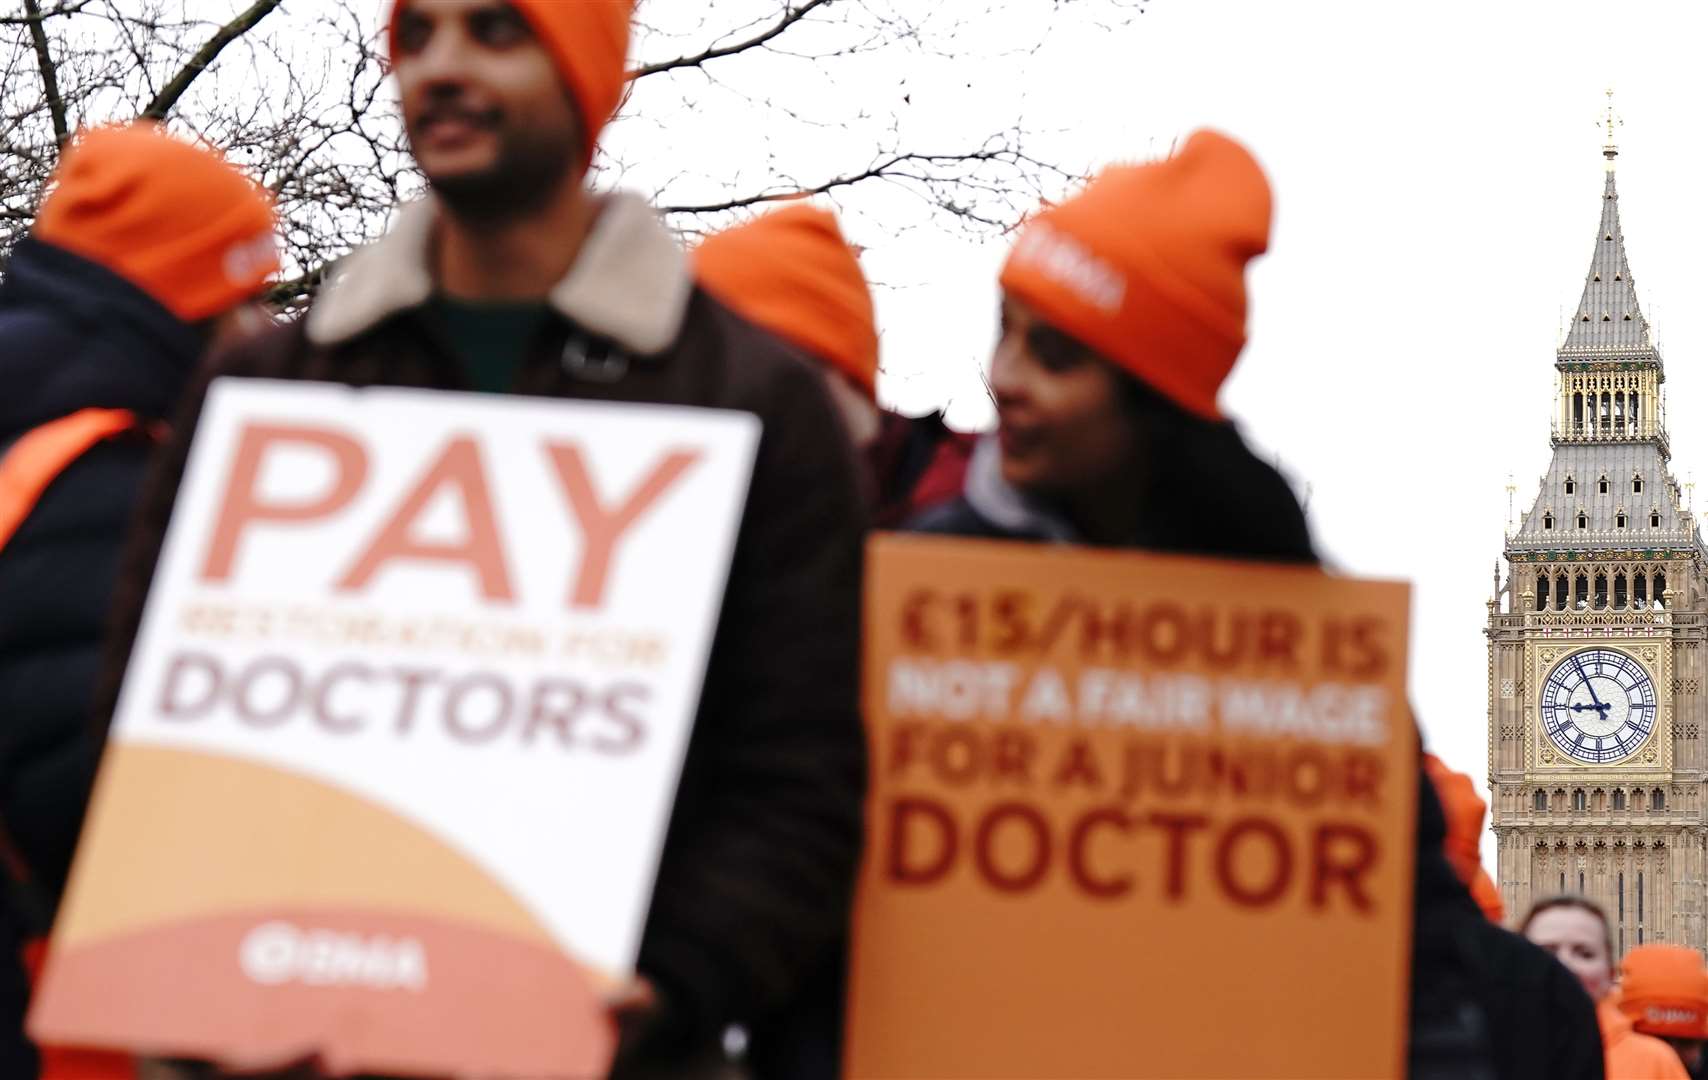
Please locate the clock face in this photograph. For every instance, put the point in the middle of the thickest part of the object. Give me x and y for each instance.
(1598, 706)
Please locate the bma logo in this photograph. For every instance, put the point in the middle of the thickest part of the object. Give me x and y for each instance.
(276, 953)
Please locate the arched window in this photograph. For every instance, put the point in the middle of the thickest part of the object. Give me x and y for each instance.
(1660, 588)
(1654, 521)
(1583, 520)
(1600, 591)
(1581, 592)
(1562, 592)
(1540, 800)
(1541, 592)
(1547, 521)
(1618, 799)
(1637, 800)
(1571, 485)
(1619, 521)
(1598, 800)
(1559, 800)
(1657, 800)
(1640, 590)
(1637, 484)
(1578, 798)
(1580, 882)
(1601, 485)
(1621, 594)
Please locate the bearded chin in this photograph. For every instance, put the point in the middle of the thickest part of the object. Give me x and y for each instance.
(526, 176)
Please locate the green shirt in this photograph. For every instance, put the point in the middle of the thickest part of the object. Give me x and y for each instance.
(491, 339)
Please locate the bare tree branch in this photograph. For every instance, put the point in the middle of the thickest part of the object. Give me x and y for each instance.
(32, 14)
(169, 96)
(50, 76)
(791, 16)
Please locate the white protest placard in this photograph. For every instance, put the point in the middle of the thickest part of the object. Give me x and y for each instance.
(399, 740)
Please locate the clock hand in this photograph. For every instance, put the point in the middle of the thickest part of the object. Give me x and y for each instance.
(1588, 684)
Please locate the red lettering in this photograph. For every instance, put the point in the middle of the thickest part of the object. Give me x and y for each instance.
(1178, 827)
(956, 756)
(458, 469)
(1165, 634)
(900, 863)
(984, 844)
(602, 526)
(1011, 756)
(1363, 777)
(1103, 888)
(242, 505)
(1280, 871)
(904, 746)
(1079, 766)
(1345, 854)
(1278, 635)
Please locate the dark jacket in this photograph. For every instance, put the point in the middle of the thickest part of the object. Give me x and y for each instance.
(758, 867)
(73, 336)
(915, 463)
(1485, 1003)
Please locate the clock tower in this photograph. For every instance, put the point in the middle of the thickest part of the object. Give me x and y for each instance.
(1596, 662)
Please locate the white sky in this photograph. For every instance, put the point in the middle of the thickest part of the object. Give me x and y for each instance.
(1438, 177)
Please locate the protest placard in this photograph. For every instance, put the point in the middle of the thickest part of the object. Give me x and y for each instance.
(1131, 816)
(400, 734)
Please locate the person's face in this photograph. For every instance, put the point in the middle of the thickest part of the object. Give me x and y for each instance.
(1578, 940)
(1061, 425)
(489, 119)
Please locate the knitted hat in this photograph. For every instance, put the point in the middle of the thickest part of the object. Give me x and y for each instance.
(588, 41)
(1464, 810)
(172, 218)
(1664, 990)
(1146, 266)
(792, 273)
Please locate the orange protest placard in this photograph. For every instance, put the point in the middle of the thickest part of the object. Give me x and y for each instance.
(1131, 816)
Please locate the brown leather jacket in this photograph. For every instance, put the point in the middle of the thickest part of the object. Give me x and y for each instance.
(759, 864)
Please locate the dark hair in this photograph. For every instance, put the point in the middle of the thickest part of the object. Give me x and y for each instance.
(1573, 903)
(1203, 490)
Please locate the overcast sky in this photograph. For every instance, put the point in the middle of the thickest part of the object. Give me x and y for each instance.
(1438, 175)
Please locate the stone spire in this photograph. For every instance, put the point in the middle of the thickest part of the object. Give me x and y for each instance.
(1608, 320)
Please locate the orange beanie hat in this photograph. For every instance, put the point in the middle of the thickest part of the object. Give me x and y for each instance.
(1663, 989)
(1464, 810)
(172, 218)
(588, 41)
(1146, 266)
(792, 273)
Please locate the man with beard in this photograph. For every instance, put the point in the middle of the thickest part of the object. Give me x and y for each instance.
(512, 277)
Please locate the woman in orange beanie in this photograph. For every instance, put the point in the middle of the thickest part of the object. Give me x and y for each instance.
(1575, 930)
(1123, 311)
(1663, 991)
